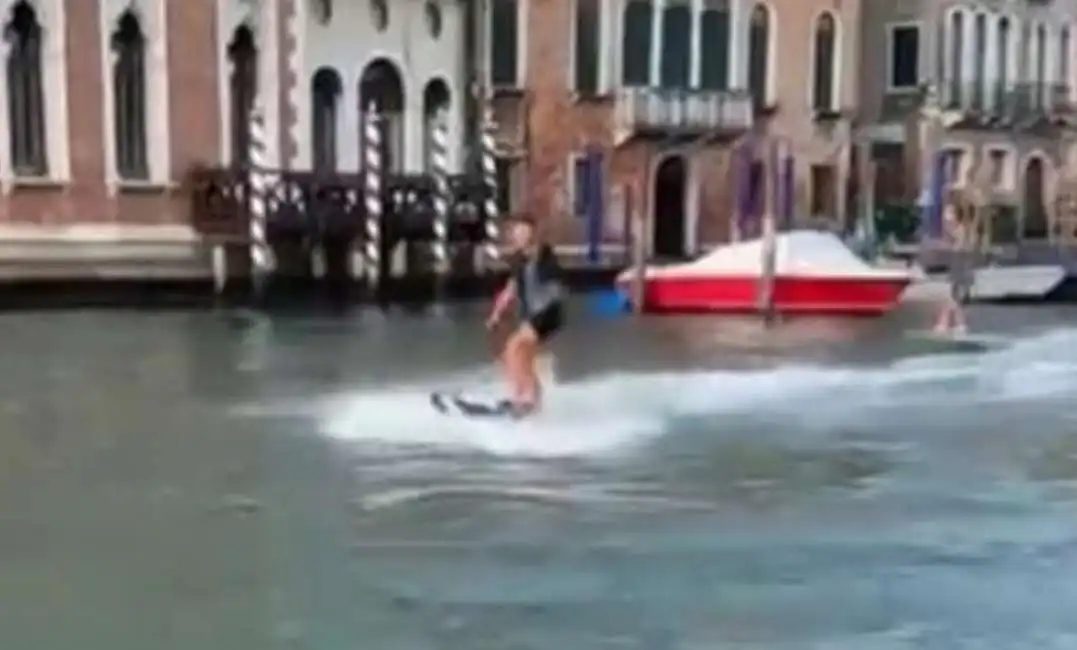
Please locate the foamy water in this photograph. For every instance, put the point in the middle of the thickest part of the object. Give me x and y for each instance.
(619, 411)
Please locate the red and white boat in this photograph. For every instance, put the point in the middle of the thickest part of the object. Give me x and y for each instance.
(815, 273)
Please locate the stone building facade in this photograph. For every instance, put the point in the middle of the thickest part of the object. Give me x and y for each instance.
(1003, 74)
(112, 101)
(667, 89)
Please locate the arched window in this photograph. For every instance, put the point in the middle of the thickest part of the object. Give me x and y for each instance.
(325, 90)
(637, 44)
(129, 97)
(1064, 59)
(1041, 66)
(714, 45)
(587, 46)
(955, 94)
(26, 97)
(676, 45)
(243, 82)
(759, 56)
(824, 97)
(979, 74)
(1002, 63)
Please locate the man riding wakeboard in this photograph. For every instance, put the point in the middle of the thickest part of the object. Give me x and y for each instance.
(534, 288)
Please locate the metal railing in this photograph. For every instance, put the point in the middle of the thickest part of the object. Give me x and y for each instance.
(1008, 100)
(683, 110)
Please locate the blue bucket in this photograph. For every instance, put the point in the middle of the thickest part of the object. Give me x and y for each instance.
(608, 302)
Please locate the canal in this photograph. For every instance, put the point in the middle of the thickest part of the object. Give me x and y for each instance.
(223, 480)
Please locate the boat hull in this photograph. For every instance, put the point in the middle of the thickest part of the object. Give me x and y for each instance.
(843, 296)
(993, 284)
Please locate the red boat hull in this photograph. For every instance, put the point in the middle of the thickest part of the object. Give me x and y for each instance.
(792, 295)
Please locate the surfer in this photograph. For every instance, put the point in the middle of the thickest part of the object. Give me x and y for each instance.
(534, 288)
(961, 231)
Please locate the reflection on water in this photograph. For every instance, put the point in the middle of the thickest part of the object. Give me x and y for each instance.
(230, 481)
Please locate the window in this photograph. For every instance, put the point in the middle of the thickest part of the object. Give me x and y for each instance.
(129, 98)
(504, 43)
(979, 64)
(1041, 64)
(588, 36)
(1002, 65)
(509, 185)
(904, 59)
(755, 190)
(997, 160)
(637, 44)
(581, 179)
(953, 167)
(759, 56)
(714, 46)
(436, 100)
(675, 71)
(823, 85)
(243, 83)
(953, 91)
(1064, 58)
(26, 97)
(326, 88)
(823, 188)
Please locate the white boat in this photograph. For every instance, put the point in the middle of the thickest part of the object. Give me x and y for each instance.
(814, 273)
(1024, 282)
(990, 283)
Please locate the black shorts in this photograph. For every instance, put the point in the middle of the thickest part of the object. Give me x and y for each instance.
(547, 322)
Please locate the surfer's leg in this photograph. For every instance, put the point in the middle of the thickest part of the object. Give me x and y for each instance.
(513, 364)
(527, 342)
(538, 329)
(942, 321)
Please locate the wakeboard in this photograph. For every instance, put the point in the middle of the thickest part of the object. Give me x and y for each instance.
(953, 342)
(449, 404)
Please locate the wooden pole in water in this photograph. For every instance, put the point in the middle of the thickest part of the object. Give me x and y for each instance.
(639, 250)
(769, 236)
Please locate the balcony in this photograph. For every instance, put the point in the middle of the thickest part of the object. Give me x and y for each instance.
(995, 105)
(1014, 105)
(661, 113)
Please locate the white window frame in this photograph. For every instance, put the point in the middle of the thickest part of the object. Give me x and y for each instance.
(836, 90)
(891, 29)
(523, 10)
(53, 21)
(262, 19)
(1009, 166)
(152, 16)
(606, 54)
(771, 82)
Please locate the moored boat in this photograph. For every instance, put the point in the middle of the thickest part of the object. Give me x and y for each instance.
(815, 273)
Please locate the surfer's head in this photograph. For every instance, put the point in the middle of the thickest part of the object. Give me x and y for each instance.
(522, 232)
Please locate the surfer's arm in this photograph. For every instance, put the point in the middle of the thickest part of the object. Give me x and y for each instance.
(503, 301)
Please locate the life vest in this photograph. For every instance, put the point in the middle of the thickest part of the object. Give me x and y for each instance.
(538, 282)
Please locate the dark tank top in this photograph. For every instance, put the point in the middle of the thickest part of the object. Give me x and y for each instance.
(538, 282)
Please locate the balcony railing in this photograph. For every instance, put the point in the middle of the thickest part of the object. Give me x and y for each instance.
(1007, 100)
(683, 112)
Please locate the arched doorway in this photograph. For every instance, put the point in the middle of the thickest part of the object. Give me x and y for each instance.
(382, 86)
(1035, 212)
(669, 217)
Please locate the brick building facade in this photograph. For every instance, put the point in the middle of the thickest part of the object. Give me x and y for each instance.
(666, 88)
(112, 101)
